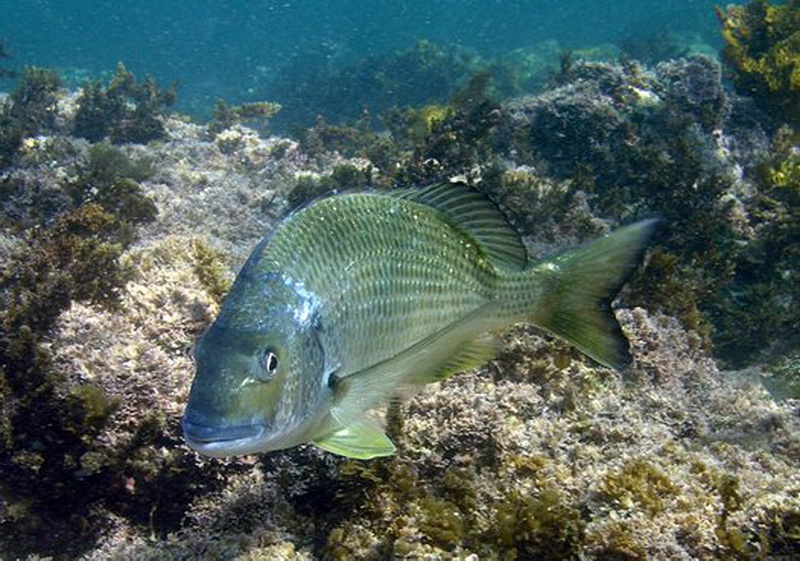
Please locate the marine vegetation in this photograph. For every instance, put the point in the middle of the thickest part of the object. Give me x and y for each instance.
(762, 49)
(422, 74)
(447, 141)
(635, 142)
(29, 110)
(57, 456)
(782, 378)
(651, 46)
(225, 116)
(69, 231)
(767, 267)
(5, 54)
(111, 179)
(344, 177)
(76, 259)
(427, 145)
(762, 54)
(124, 111)
(100, 174)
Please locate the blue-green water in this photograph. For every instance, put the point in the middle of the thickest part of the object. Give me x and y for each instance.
(237, 50)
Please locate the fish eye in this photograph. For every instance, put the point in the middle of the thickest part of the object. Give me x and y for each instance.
(268, 360)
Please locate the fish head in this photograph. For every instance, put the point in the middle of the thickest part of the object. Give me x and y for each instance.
(259, 375)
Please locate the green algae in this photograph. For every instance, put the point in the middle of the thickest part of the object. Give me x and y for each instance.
(666, 284)
(450, 512)
(343, 177)
(124, 111)
(762, 301)
(782, 378)
(423, 73)
(442, 522)
(225, 115)
(75, 259)
(29, 110)
(616, 542)
(56, 464)
(211, 271)
(639, 484)
(762, 47)
(541, 526)
(415, 125)
(90, 408)
(111, 179)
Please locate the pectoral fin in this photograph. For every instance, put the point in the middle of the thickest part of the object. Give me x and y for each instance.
(361, 440)
(466, 356)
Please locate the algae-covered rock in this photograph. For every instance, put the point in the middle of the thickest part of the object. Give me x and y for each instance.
(28, 111)
(225, 116)
(529, 457)
(762, 48)
(124, 111)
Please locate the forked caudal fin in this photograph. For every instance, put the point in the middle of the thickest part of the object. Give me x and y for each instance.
(576, 303)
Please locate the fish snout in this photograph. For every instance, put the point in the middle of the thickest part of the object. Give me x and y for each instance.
(198, 430)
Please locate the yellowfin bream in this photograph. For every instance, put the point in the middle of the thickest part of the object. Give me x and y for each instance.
(357, 296)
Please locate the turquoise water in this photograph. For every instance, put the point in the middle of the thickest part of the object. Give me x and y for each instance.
(239, 50)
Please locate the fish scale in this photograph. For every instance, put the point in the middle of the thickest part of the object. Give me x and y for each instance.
(375, 265)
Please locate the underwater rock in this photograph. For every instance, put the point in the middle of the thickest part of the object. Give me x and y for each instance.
(539, 454)
(231, 186)
(225, 116)
(604, 119)
(692, 90)
(762, 52)
(671, 142)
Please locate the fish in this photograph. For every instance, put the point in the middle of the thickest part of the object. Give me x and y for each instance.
(359, 297)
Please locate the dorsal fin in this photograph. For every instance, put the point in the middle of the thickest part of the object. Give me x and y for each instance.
(472, 212)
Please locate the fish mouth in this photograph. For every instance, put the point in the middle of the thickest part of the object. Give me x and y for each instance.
(219, 442)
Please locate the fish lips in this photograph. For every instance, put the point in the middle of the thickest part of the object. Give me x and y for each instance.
(223, 441)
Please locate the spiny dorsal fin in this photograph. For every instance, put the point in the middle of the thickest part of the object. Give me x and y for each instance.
(472, 212)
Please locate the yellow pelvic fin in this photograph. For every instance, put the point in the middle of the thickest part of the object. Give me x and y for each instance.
(361, 440)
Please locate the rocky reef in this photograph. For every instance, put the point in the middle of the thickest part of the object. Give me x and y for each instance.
(762, 51)
(116, 252)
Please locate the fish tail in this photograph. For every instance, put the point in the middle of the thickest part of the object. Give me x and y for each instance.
(579, 286)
